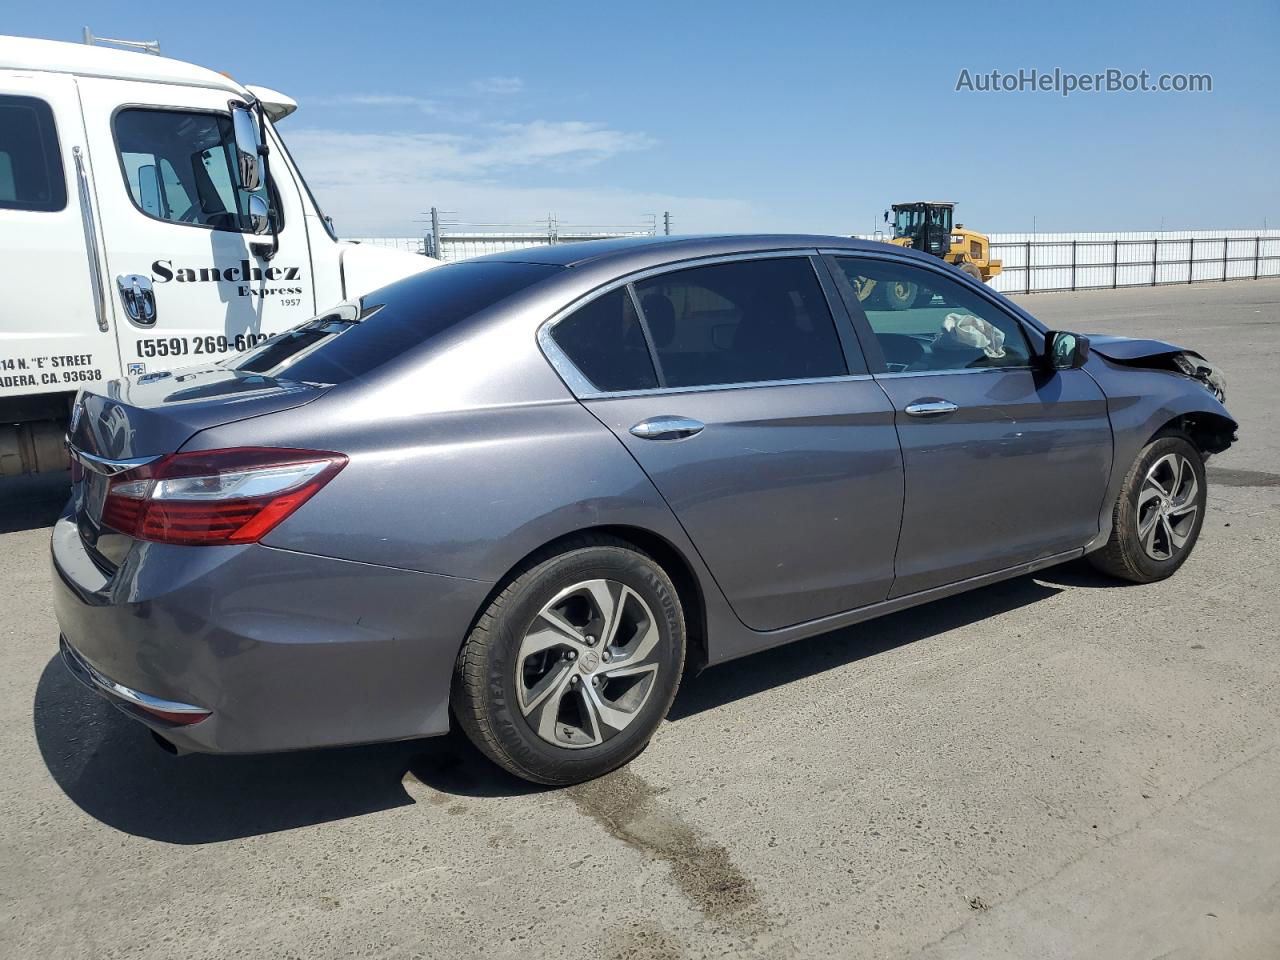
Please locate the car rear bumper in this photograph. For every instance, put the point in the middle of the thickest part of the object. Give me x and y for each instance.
(284, 650)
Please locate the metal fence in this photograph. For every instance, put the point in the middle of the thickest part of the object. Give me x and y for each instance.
(1033, 262)
(1037, 262)
(451, 239)
(408, 244)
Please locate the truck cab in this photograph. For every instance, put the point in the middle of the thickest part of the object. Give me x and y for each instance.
(151, 217)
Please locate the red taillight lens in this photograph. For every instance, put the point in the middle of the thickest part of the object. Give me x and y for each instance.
(216, 496)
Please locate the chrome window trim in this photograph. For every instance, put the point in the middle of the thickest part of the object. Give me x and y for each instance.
(714, 387)
(938, 373)
(584, 389)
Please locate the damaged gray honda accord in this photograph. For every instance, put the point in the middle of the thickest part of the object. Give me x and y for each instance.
(523, 490)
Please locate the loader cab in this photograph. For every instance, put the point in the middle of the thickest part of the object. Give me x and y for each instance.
(927, 226)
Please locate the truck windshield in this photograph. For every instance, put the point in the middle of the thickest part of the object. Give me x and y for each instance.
(906, 221)
(353, 339)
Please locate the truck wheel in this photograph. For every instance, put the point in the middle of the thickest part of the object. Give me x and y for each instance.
(1159, 513)
(972, 271)
(571, 668)
(899, 294)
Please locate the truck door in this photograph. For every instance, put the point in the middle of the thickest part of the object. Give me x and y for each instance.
(55, 334)
(190, 280)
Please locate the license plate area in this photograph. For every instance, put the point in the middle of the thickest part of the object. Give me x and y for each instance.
(90, 497)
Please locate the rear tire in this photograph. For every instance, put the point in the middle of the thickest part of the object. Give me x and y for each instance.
(1159, 514)
(972, 271)
(573, 665)
(899, 295)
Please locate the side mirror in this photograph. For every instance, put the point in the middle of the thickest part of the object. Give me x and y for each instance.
(1066, 351)
(886, 216)
(248, 159)
(259, 215)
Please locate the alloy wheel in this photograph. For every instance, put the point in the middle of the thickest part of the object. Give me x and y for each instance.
(1167, 506)
(587, 663)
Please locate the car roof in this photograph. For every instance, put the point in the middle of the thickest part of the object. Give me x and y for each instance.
(56, 56)
(662, 249)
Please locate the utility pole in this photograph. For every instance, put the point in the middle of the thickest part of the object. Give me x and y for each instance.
(434, 250)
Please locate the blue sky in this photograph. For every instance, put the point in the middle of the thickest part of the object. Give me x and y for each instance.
(744, 116)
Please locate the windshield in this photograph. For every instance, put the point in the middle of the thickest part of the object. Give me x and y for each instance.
(354, 339)
(907, 220)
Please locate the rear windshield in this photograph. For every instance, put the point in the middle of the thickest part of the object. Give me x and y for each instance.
(353, 339)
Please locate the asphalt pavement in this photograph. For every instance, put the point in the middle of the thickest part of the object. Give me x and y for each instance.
(1056, 766)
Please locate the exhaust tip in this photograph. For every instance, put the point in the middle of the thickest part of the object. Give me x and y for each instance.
(165, 745)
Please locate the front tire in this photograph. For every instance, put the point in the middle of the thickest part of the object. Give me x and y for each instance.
(1159, 513)
(569, 671)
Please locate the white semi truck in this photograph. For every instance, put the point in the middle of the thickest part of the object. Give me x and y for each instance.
(151, 217)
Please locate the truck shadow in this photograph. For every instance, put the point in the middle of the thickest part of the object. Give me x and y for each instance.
(32, 501)
(109, 766)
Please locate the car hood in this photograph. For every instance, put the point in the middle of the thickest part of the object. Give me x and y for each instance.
(1128, 348)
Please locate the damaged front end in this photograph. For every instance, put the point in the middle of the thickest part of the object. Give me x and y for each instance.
(1159, 355)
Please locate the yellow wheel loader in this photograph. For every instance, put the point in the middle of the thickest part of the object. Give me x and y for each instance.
(926, 226)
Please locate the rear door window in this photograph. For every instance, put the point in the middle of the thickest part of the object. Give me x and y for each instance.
(745, 321)
(30, 162)
(354, 339)
(606, 342)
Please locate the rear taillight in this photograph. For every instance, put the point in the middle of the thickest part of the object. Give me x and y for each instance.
(216, 496)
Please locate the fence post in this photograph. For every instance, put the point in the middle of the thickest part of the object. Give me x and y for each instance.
(1257, 250)
(1191, 261)
(1028, 266)
(1073, 264)
(1115, 264)
(436, 247)
(1225, 242)
(1155, 259)
(666, 222)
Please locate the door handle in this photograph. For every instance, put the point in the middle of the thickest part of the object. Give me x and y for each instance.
(667, 428)
(138, 297)
(930, 407)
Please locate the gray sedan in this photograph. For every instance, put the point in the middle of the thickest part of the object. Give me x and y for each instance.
(524, 491)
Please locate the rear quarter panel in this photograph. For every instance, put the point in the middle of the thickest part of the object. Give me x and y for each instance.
(466, 493)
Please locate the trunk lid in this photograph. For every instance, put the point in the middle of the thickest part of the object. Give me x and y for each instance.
(157, 413)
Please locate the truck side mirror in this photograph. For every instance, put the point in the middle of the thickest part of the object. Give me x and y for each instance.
(248, 158)
(886, 216)
(1065, 351)
(259, 215)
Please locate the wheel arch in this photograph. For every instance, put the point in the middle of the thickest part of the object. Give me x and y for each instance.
(1210, 432)
(666, 554)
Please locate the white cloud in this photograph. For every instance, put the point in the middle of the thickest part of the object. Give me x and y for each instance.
(498, 85)
(342, 157)
(377, 100)
(381, 184)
